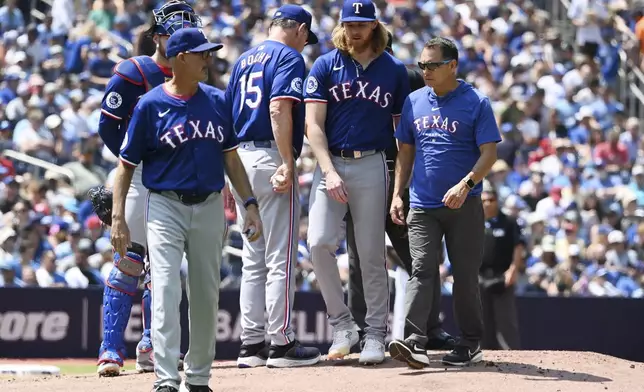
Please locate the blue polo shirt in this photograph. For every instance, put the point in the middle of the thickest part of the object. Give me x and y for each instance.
(447, 132)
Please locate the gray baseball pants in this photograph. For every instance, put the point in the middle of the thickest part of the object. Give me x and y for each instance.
(199, 230)
(366, 180)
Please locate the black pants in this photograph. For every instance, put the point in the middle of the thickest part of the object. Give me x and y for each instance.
(500, 320)
(400, 241)
(464, 231)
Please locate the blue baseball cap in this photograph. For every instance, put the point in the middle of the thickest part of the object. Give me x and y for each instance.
(358, 11)
(300, 15)
(190, 40)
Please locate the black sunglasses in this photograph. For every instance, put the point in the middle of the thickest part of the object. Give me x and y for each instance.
(432, 65)
(204, 55)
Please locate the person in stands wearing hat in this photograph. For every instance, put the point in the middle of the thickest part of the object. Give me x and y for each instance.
(82, 275)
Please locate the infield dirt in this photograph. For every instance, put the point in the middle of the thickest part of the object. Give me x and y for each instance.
(507, 371)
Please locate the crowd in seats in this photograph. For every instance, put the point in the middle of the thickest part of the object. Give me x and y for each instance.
(570, 168)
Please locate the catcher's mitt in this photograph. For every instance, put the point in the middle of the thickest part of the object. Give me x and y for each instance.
(101, 199)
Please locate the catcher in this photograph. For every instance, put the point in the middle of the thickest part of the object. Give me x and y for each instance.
(132, 78)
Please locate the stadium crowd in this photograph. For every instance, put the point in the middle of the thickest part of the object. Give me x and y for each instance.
(570, 168)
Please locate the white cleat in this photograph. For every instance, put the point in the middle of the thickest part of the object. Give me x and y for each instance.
(144, 361)
(373, 352)
(109, 369)
(343, 340)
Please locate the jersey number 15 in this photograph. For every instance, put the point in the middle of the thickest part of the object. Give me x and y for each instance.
(248, 86)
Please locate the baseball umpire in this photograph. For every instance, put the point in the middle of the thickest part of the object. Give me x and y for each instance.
(182, 133)
(438, 339)
(352, 96)
(265, 92)
(132, 78)
(448, 135)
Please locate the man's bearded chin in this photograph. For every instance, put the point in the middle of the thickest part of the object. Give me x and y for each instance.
(359, 47)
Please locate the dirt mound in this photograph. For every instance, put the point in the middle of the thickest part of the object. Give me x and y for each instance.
(514, 371)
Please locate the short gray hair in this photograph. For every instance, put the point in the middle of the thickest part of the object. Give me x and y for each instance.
(285, 23)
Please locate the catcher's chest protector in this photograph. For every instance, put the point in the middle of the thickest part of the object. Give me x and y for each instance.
(152, 74)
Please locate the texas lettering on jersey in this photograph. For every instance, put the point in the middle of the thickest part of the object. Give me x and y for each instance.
(178, 134)
(363, 90)
(425, 123)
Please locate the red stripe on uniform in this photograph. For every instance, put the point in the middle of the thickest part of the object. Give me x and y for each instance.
(289, 260)
(145, 80)
(108, 114)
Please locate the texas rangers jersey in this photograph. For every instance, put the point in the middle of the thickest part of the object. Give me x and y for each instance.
(266, 73)
(447, 132)
(180, 139)
(360, 102)
(132, 78)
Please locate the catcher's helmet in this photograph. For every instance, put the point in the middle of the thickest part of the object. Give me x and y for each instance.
(172, 16)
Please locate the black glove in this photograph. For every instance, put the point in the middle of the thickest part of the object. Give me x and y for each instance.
(101, 199)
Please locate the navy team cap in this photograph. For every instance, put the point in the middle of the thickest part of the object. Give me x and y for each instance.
(300, 15)
(190, 40)
(358, 11)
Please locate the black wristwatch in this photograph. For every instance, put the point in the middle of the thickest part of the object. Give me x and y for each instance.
(470, 184)
(251, 201)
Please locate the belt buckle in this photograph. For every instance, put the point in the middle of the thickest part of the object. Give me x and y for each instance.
(180, 197)
(357, 154)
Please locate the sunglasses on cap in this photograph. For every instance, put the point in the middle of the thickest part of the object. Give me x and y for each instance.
(432, 65)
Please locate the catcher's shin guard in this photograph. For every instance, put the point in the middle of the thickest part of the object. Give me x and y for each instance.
(120, 286)
(147, 311)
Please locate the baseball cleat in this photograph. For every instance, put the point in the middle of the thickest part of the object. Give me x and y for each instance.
(409, 352)
(343, 340)
(144, 356)
(441, 341)
(292, 355)
(185, 387)
(463, 356)
(109, 364)
(372, 353)
(108, 369)
(252, 355)
(166, 388)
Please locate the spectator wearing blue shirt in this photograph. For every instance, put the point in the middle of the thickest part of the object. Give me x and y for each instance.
(580, 134)
(9, 91)
(8, 275)
(11, 18)
(448, 135)
(101, 66)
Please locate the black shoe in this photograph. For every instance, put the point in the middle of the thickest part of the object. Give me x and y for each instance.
(292, 355)
(441, 341)
(409, 352)
(197, 388)
(463, 356)
(253, 355)
(166, 388)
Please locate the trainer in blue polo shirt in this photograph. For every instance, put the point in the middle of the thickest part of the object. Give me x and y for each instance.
(448, 134)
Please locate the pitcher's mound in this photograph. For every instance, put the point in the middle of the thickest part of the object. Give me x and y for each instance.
(501, 371)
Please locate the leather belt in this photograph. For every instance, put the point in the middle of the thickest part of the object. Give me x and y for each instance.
(264, 144)
(351, 154)
(259, 143)
(187, 198)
